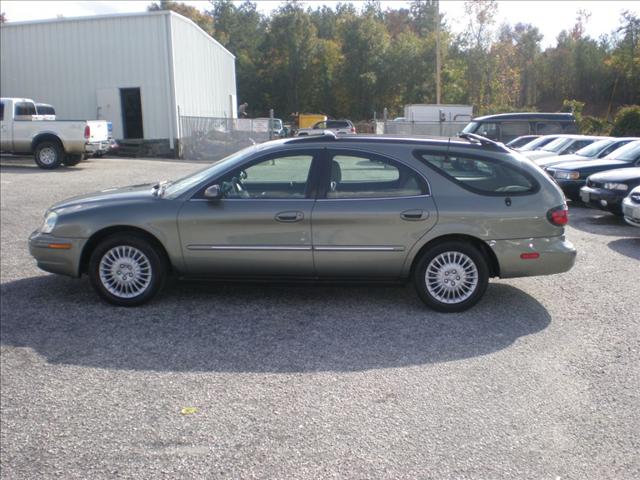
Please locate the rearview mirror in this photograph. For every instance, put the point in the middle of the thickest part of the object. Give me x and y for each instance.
(214, 192)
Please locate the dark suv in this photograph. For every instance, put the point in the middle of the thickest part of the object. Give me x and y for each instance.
(505, 127)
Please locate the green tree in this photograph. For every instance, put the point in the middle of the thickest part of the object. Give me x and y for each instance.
(204, 21)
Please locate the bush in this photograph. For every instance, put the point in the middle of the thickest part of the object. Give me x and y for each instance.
(594, 126)
(627, 122)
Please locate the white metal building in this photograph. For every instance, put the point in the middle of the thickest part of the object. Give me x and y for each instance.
(139, 71)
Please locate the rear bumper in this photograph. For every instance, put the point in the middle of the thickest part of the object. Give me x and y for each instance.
(602, 199)
(555, 255)
(97, 146)
(64, 260)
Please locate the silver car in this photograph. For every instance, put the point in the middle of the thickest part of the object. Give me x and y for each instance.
(447, 215)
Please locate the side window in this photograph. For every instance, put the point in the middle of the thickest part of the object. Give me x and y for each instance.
(25, 108)
(511, 130)
(489, 130)
(361, 176)
(1, 110)
(548, 128)
(280, 177)
(320, 125)
(481, 175)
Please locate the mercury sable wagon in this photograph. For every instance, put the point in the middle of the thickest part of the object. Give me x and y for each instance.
(445, 214)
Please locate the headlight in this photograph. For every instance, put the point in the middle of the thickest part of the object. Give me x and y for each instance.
(566, 175)
(616, 186)
(49, 222)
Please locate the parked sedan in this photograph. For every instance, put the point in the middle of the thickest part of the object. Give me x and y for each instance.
(599, 149)
(631, 208)
(564, 145)
(606, 190)
(446, 214)
(572, 176)
(538, 143)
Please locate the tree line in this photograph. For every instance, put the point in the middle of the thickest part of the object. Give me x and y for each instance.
(349, 62)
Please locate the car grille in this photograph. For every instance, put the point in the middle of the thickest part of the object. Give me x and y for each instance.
(592, 184)
(635, 197)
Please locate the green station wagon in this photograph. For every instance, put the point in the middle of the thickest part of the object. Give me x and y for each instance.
(447, 215)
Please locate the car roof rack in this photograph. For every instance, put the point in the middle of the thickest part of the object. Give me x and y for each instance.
(326, 135)
(484, 141)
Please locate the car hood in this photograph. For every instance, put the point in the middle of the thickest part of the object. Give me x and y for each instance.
(595, 165)
(548, 161)
(109, 195)
(618, 175)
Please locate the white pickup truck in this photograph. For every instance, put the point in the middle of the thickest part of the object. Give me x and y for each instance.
(52, 142)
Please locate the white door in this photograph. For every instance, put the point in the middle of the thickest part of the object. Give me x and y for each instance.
(109, 109)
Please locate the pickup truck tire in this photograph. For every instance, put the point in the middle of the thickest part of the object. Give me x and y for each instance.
(72, 160)
(48, 154)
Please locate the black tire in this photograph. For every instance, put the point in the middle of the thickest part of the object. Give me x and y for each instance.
(72, 160)
(48, 154)
(471, 295)
(156, 263)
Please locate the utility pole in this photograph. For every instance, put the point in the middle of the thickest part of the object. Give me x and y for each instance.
(437, 2)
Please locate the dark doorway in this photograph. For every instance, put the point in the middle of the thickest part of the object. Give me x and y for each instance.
(131, 112)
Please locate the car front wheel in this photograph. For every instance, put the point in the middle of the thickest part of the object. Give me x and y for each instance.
(126, 270)
(451, 276)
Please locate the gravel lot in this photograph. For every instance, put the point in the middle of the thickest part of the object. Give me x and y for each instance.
(539, 380)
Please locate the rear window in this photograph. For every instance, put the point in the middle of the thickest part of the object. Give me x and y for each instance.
(481, 175)
(25, 108)
(45, 110)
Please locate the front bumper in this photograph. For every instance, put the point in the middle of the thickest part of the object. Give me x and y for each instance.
(631, 212)
(555, 255)
(608, 200)
(55, 254)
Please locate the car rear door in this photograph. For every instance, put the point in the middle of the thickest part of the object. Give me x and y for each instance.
(261, 225)
(370, 211)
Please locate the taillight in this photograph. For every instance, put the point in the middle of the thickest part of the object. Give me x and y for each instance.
(559, 216)
(353, 129)
(87, 132)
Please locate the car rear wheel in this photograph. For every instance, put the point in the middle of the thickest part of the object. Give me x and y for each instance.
(451, 276)
(48, 155)
(127, 270)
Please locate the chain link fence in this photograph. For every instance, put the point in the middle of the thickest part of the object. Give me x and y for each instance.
(430, 129)
(209, 138)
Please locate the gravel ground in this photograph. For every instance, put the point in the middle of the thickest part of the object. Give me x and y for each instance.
(540, 380)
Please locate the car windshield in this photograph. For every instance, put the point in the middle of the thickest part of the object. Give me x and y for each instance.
(277, 123)
(470, 128)
(628, 153)
(177, 188)
(556, 145)
(535, 144)
(595, 148)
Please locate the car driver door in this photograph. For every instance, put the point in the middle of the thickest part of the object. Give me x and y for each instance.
(261, 223)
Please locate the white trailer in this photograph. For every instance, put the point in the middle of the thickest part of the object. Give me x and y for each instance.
(437, 113)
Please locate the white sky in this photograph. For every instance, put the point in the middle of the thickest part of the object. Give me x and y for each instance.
(549, 16)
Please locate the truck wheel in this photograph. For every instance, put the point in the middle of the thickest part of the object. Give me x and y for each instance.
(48, 154)
(72, 160)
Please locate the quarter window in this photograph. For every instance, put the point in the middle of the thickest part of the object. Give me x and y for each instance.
(279, 177)
(481, 175)
(360, 176)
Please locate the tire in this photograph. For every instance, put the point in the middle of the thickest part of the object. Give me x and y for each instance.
(72, 160)
(136, 276)
(445, 262)
(48, 154)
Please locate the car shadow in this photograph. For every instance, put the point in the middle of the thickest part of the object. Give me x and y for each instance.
(23, 167)
(258, 328)
(598, 222)
(629, 247)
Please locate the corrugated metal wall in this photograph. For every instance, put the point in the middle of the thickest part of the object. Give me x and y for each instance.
(208, 89)
(80, 64)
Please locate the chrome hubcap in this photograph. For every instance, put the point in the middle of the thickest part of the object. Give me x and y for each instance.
(125, 271)
(451, 277)
(47, 155)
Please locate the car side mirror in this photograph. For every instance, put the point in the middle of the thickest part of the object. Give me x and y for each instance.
(214, 192)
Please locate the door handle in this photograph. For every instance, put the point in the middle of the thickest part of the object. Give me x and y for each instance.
(414, 215)
(289, 217)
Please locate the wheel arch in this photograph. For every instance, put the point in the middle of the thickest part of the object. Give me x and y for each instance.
(487, 252)
(47, 137)
(95, 239)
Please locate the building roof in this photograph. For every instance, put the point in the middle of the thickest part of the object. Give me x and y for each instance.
(527, 116)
